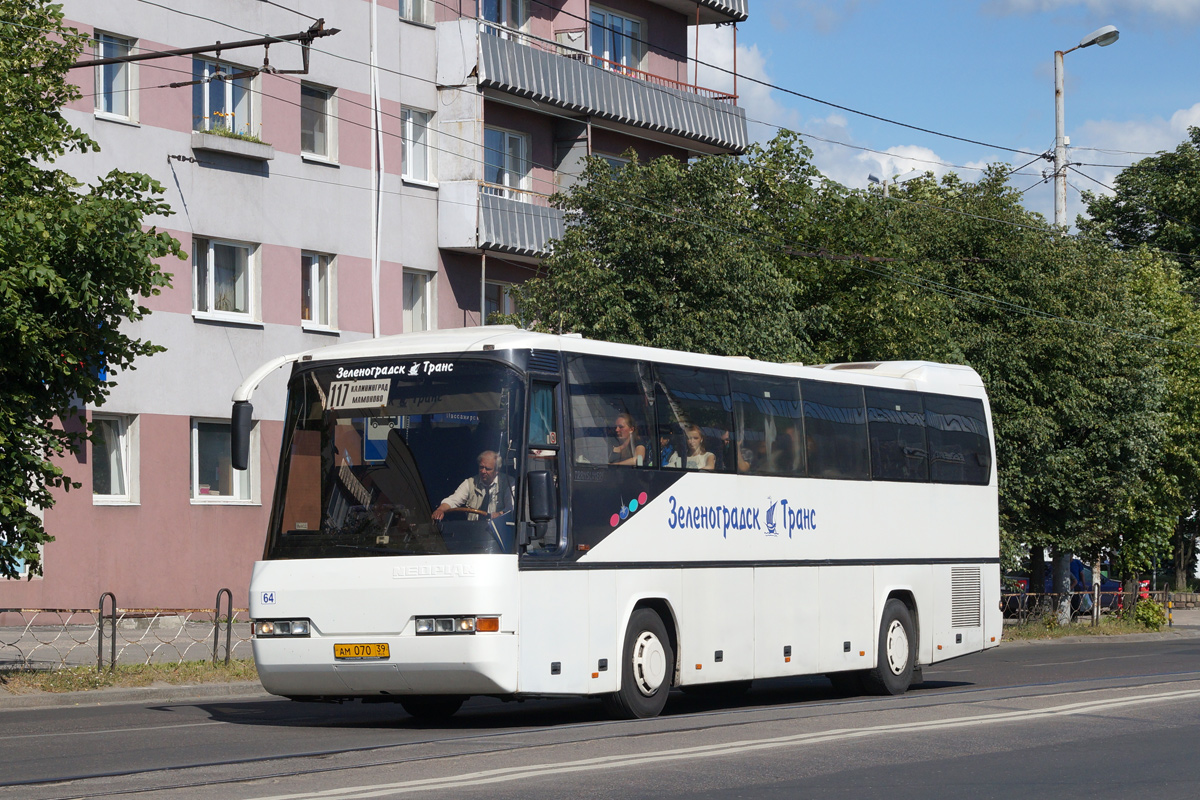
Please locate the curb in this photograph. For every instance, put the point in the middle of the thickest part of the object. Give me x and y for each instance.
(141, 694)
(1177, 632)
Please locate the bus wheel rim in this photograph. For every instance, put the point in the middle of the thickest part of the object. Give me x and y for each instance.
(897, 647)
(649, 663)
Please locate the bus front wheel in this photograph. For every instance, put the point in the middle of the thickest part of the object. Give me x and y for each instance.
(897, 652)
(647, 668)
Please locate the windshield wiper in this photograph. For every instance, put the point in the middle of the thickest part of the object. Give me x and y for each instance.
(390, 551)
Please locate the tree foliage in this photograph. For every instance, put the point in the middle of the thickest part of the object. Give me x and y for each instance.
(74, 261)
(759, 256)
(1156, 203)
(1156, 207)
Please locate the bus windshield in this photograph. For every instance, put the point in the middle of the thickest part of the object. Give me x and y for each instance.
(372, 450)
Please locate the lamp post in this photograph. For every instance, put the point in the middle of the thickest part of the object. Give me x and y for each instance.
(1103, 37)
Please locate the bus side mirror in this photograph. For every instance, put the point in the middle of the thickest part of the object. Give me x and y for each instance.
(239, 434)
(542, 506)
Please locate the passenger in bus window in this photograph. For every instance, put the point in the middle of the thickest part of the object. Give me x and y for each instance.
(627, 451)
(736, 453)
(483, 493)
(668, 452)
(698, 457)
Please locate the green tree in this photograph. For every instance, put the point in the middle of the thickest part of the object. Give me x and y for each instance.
(1157, 203)
(74, 261)
(759, 256)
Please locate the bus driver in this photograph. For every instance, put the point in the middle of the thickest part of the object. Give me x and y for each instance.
(485, 492)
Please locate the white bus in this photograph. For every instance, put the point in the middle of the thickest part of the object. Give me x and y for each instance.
(489, 511)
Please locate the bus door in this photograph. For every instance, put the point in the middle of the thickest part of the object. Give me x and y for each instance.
(554, 602)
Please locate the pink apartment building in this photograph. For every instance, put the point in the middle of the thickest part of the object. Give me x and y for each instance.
(401, 184)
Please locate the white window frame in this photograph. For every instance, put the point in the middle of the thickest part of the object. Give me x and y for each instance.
(505, 10)
(111, 45)
(251, 314)
(505, 305)
(204, 121)
(248, 480)
(418, 11)
(317, 269)
(508, 187)
(428, 282)
(411, 129)
(635, 50)
(127, 433)
(329, 112)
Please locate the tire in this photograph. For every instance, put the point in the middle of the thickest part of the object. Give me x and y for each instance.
(432, 707)
(897, 652)
(647, 668)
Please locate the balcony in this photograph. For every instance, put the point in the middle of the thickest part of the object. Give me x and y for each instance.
(545, 73)
(711, 11)
(474, 216)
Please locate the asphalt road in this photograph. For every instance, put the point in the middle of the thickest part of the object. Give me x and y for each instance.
(1060, 719)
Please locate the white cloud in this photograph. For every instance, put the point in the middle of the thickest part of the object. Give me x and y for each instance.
(1180, 10)
(764, 113)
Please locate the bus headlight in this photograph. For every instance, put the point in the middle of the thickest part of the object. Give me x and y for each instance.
(444, 625)
(282, 627)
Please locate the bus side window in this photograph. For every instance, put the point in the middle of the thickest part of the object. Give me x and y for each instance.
(607, 393)
(687, 397)
(769, 423)
(896, 421)
(958, 442)
(835, 427)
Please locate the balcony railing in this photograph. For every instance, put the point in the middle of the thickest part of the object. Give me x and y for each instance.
(476, 216)
(576, 54)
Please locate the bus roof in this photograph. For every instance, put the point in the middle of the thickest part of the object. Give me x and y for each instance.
(508, 337)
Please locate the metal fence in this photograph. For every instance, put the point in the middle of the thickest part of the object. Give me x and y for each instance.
(53, 638)
(1021, 608)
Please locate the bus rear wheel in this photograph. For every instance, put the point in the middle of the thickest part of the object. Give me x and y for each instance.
(897, 652)
(432, 707)
(647, 668)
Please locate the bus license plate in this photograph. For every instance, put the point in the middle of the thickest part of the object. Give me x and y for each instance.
(372, 650)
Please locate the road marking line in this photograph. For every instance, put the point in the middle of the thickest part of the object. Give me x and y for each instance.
(505, 774)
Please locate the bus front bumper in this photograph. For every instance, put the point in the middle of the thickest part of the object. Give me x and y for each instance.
(479, 664)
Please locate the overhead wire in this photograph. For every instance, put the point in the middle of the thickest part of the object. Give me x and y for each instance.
(915, 280)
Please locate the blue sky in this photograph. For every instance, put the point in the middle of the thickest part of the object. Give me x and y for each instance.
(978, 70)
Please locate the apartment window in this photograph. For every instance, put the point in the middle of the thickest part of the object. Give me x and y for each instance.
(316, 121)
(617, 39)
(414, 144)
(416, 301)
(213, 475)
(221, 278)
(506, 13)
(114, 461)
(505, 162)
(417, 11)
(497, 300)
(316, 289)
(616, 162)
(113, 81)
(220, 100)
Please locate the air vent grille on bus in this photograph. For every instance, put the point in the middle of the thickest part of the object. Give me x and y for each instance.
(543, 361)
(965, 593)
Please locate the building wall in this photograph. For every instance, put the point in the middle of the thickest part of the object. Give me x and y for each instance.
(165, 549)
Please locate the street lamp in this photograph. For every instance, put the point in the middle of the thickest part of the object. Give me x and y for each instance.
(1103, 37)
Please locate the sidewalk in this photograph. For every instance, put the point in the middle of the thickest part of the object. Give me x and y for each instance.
(1186, 625)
